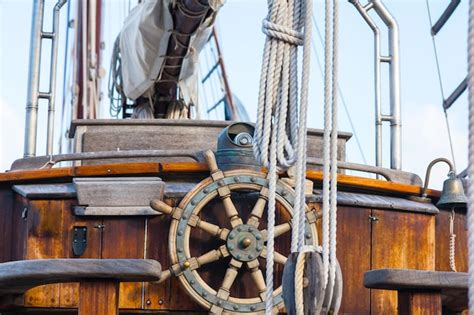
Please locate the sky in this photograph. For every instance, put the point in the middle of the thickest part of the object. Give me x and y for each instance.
(424, 132)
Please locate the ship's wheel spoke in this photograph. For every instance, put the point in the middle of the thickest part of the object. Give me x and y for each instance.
(257, 277)
(280, 229)
(231, 211)
(229, 279)
(207, 258)
(208, 227)
(257, 211)
(278, 257)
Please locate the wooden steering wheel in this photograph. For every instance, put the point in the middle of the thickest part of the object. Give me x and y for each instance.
(242, 244)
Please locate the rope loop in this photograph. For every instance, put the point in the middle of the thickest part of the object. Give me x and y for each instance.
(282, 33)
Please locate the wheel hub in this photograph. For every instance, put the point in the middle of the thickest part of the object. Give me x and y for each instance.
(245, 242)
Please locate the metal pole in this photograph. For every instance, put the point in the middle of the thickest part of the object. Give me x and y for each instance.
(31, 123)
(377, 81)
(395, 102)
(53, 75)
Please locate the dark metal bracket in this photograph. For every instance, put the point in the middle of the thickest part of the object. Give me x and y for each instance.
(79, 240)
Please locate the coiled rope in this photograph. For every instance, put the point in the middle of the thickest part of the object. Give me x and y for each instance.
(280, 133)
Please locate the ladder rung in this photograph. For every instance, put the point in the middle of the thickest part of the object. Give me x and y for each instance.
(387, 117)
(47, 35)
(385, 59)
(44, 95)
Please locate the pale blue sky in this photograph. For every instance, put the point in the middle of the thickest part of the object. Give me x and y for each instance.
(424, 131)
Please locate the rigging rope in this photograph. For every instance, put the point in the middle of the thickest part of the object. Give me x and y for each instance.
(280, 133)
(470, 212)
(339, 89)
(438, 68)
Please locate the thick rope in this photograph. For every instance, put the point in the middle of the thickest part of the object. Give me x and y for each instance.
(470, 213)
(280, 132)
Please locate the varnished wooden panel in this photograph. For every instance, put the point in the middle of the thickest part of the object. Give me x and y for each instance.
(157, 296)
(6, 208)
(18, 228)
(125, 238)
(419, 303)
(98, 298)
(442, 241)
(400, 240)
(353, 253)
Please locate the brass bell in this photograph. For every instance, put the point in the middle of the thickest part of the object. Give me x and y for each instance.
(452, 195)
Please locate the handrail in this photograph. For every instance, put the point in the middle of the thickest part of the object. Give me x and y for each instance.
(48, 161)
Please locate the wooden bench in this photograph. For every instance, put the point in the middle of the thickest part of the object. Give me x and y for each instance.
(99, 278)
(421, 291)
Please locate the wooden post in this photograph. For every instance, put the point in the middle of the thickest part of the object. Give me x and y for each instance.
(99, 298)
(419, 302)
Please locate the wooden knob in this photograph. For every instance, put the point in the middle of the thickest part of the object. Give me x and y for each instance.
(160, 206)
(211, 160)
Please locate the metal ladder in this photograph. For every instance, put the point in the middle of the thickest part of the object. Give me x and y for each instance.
(34, 94)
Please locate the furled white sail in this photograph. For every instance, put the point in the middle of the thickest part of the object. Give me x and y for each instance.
(143, 44)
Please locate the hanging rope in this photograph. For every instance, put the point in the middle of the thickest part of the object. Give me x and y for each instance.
(470, 212)
(452, 242)
(280, 133)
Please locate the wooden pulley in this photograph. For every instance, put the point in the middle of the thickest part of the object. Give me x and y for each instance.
(316, 299)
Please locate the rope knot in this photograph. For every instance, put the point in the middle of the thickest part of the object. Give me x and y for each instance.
(283, 33)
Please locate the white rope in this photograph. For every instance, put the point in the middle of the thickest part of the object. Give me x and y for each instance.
(280, 132)
(470, 213)
(452, 243)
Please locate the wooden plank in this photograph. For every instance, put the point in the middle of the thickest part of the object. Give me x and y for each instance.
(157, 295)
(400, 279)
(192, 167)
(400, 240)
(442, 241)
(115, 211)
(6, 236)
(353, 254)
(98, 298)
(19, 228)
(125, 238)
(45, 230)
(18, 276)
(69, 292)
(419, 303)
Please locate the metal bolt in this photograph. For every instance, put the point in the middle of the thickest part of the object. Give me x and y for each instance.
(237, 179)
(192, 282)
(246, 242)
(239, 229)
(253, 179)
(186, 264)
(231, 247)
(109, 171)
(258, 237)
(204, 294)
(283, 193)
(180, 250)
(259, 247)
(219, 303)
(308, 236)
(193, 202)
(250, 256)
(220, 183)
(206, 190)
(160, 301)
(252, 308)
(238, 256)
(148, 302)
(231, 236)
(184, 217)
(236, 307)
(180, 232)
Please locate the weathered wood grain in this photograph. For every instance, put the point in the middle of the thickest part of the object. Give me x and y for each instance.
(6, 209)
(398, 279)
(354, 255)
(125, 238)
(400, 240)
(98, 298)
(18, 276)
(419, 303)
(442, 241)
